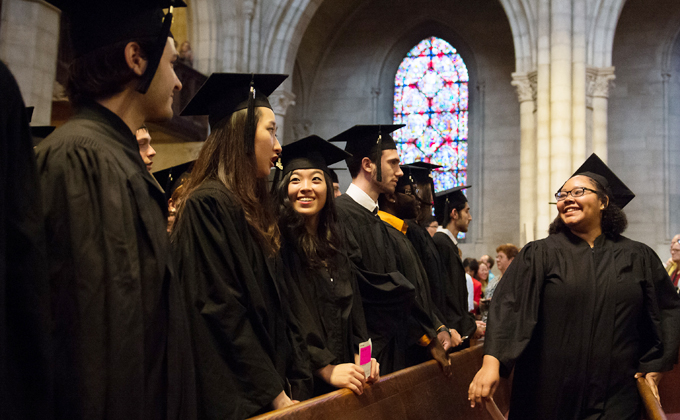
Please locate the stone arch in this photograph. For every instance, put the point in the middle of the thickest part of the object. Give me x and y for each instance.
(386, 66)
(600, 32)
(522, 15)
(289, 22)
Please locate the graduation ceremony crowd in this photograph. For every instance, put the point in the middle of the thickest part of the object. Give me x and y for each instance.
(266, 291)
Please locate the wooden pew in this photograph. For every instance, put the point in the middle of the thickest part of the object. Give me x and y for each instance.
(419, 392)
(669, 392)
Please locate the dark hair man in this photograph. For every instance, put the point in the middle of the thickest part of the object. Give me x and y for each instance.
(453, 214)
(387, 294)
(119, 329)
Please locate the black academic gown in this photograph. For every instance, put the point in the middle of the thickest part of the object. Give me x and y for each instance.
(425, 318)
(328, 306)
(387, 296)
(578, 323)
(247, 347)
(120, 330)
(26, 383)
(440, 286)
(456, 292)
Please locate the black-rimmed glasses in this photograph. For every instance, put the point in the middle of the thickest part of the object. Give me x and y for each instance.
(576, 192)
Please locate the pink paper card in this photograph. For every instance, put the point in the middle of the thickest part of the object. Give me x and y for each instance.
(365, 350)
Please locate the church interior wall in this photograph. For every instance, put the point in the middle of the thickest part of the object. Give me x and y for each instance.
(344, 75)
(644, 123)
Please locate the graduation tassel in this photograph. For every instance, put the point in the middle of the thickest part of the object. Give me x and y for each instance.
(156, 54)
(277, 174)
(249, 132)
(378, 165)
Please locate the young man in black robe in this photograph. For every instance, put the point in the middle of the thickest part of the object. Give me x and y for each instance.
(387, 295)
(396, 208)
(442, 288)
(121, 340)
(26, 386)
(453, 214)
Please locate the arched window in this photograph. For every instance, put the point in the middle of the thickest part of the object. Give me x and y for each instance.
(431, 98)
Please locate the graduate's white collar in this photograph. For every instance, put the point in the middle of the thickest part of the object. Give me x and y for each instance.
(363, 199)
(447, 233)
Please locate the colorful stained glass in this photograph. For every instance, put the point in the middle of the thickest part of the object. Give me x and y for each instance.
(431, 98)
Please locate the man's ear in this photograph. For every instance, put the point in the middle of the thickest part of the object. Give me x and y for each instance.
(134, 59)
(391, 197)
(367, 165)
(454, 214)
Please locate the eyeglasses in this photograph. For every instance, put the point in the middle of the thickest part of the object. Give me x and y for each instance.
(409, 191)
(576, 192)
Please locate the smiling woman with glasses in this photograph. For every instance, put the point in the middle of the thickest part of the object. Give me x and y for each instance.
(582, 313)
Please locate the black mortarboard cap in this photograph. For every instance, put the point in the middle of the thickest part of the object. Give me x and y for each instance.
(171, 178)
(311, 152)
(596, 169)
(38, 132)
(445, 201)
(225, 93)
(98, 23)
(365, 140)
(334, 175)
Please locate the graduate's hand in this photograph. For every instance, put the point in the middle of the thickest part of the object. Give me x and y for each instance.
(484, 384)
(652, 379)
(282, 401)
(444, 337)
(375, 372)
(481, 329)
(456, 339)
(439, 354)
(345, 375)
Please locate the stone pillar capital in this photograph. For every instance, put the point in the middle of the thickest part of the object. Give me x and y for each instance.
(281, 100)
(526, 85)
(598, 81)
(302, 128)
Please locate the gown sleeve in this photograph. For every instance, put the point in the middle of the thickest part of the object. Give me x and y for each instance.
(212, 249)
(96, 283)
(663, 305)
(514, 308)
(359, 331)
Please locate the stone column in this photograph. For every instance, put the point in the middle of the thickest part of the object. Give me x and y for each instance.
(561, 62)
(543, 122)
(578, 117)
(526, 92)
(598, 91)
(281, 100)
(29, 41)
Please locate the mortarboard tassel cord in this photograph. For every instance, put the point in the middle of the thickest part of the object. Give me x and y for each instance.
(378, 165)
(249, 132)
(156, 54)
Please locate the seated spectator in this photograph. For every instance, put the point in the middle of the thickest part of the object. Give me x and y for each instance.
(483, 275)
(504, 255)
(489, 263)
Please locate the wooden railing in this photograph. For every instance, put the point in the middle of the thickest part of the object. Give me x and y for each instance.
(651, 404)
(419, 392)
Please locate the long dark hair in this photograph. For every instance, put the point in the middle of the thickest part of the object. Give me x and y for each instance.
(613, 221)
(318, 250)
(223, 158)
